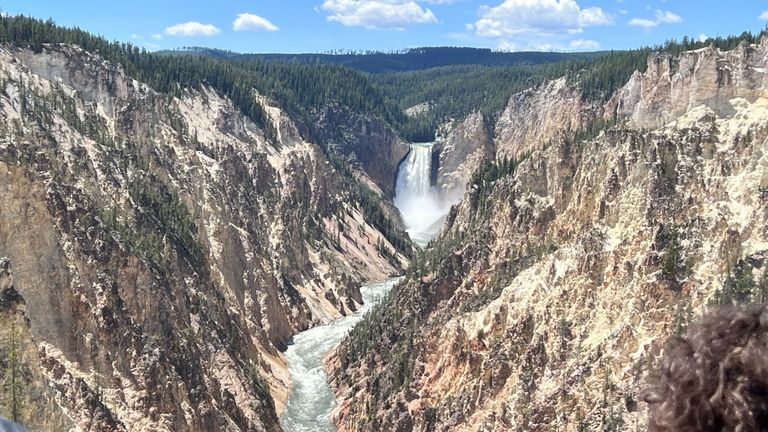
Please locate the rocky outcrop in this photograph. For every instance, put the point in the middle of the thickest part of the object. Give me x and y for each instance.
(546, 300)
(25, 394)
(536, 116)
(673, 85)
(462, 147)
(365, 142)
(176, 249)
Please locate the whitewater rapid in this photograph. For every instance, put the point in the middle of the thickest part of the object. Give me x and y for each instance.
(418, 201)
(311, 401)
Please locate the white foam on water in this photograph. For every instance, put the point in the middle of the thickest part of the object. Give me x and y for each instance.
(311, 402)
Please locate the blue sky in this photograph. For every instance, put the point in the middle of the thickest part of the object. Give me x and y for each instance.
(324, 25)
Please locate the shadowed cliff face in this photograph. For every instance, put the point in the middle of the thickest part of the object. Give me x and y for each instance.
(555, 284)
(25, 395)
(165, 249)
(366, 143)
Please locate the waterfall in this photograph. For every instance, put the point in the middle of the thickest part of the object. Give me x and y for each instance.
(418, 202)
(311, 402)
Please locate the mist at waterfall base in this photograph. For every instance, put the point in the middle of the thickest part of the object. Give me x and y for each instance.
(418, 201)
(311, 402)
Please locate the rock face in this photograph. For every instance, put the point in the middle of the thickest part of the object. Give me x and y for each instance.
(165, 250)
(672, 86)
(462, 149)
(366, 143)
(550, 294)
(536, 116)
(23, 382)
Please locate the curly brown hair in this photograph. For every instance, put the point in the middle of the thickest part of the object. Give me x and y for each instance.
(715, 378)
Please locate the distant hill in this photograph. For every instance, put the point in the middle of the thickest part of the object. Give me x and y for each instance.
(410, 60)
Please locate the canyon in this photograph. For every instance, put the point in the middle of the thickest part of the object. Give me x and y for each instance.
(550, 291)
(174, 259)
(168, 252)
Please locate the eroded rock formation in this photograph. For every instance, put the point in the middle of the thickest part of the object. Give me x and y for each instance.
(462, 147)
(552, 289)
(165, 248)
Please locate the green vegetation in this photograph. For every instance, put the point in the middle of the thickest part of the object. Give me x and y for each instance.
(741, 287)
(683, 316)
(14, 385)
(671, 255)
(405, 60)
(483, 180)
(371, 206)
(675, 266)
(162, 211)
(160, 218)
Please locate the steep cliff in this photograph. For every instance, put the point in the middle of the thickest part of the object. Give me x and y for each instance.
(535, 116)
(165, 247)
(674, 85)
(463, 147)
(24, 390)
(550, 293)
(366, 143)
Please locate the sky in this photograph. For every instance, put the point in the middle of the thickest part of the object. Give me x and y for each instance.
(295, 26)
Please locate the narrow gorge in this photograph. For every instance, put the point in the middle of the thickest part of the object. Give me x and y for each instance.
(439, 239)
(311, 403)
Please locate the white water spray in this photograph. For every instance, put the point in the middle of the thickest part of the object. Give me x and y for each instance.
(422, 210)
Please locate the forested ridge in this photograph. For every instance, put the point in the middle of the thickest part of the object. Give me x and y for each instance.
(452, 82)
(299, 89)
(406, 60)
(471, 79)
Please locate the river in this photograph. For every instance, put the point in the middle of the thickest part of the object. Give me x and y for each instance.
(312, 401)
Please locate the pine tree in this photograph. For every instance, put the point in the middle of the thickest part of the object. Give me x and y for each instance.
(14, 386)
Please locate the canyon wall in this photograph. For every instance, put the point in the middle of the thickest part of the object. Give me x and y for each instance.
(164, 249)
(463, 147)
(549, 295)
(366, 144)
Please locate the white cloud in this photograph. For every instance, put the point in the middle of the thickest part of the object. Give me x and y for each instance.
(594, 16)
(157, 36)
(764, 15)
(667, 17)
(584, 44)
(247, 21)
(505, 45)
(192, 28)
(545, 47)
(538, 17)
(512, 46)
(136, 36)
(642, 22)
(703, 37)
(662, 17)
(378, 14)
